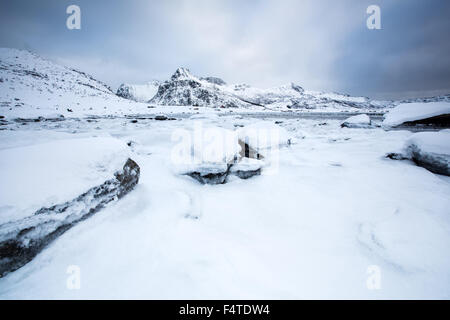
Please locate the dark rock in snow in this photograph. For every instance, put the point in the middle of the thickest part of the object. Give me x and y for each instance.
(22, 240)
(441, 121)
(245, 174)
(436, 163)
(209, 178)
(396, 156)
(430, 150)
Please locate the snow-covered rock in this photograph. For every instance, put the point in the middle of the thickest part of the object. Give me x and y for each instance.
(22, 240)
(46, 174)
(430, 150)
(263, 136)
(206, 155)
(219, 154)
(247, 168)
(46, 188)
(214, 80)
(413, 112)
(358, 121)
(136, 92)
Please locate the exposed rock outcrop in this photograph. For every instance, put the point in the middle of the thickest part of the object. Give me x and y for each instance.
(22, 240)
(430, 150)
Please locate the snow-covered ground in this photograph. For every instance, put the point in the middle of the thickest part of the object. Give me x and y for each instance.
(314, 226)
(324, 214)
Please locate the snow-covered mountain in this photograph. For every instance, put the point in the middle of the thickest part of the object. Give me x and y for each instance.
(31, 86)
(136, 92)
(185, 89)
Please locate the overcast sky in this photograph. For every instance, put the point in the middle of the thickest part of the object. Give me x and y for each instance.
(321, 45)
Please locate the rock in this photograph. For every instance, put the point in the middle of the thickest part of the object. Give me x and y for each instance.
(217, 174)
(246, 168)
(396, 156)
(297, 88)
(410, 114)
(441, 121)
(358, 121)
(161, 118)
(430, 150)
(22, 240)
(261, 137)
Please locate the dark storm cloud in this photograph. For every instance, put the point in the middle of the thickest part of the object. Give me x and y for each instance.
(322, 45)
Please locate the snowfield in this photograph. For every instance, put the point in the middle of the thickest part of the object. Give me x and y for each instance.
(305, 209)
(310, 229)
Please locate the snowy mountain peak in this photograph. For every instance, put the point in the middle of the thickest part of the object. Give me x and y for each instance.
(138, 92)
(182, 74)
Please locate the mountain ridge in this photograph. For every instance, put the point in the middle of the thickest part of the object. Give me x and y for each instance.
(32, 86)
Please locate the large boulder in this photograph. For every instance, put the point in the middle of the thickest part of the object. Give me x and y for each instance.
(433, 113)
(430, 150)
(22, 240)
(222, 154)
(358, 121)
